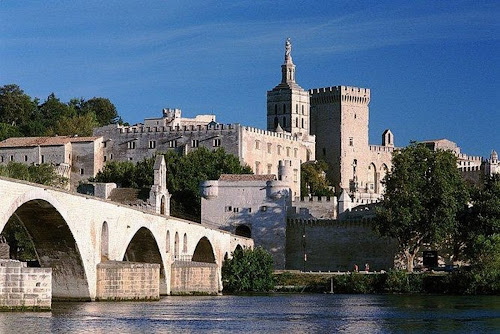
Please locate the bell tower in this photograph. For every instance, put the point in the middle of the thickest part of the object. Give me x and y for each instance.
(288, 104)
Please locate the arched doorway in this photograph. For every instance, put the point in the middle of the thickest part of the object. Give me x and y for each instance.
(53, 245)
(204, 251)
(104, 242)
(243, 231)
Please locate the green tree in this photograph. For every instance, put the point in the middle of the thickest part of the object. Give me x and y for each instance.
(42, 174)
(424, 197)
(119, 172)
(81, 125)
(248, 271)
(104, 110)
(16, 107)
(7, 131)
(313, 179)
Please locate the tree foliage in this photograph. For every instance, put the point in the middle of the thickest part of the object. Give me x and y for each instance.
(42, 174)
(313, 179)
(184, 174)
(424, 196)
(20, 115)
(248, 271)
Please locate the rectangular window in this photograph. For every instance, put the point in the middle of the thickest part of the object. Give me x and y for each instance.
(111, 156)
(279, 150)
(257, 145)
(82, 171)
(104, 158)
(152, 144)
(249, 210)
(172, 143)
(269, 147)
(216, 142)
(263, 208)
(295, 175)
(236, 210)
(288, 151)
(269, 169)
(1, 158)
(131, 145)
(25, 158)
(195, 143)
(295, 152)
(43, 158)
(104, 143)
(228, 208)
(12, 158)
(351, 141)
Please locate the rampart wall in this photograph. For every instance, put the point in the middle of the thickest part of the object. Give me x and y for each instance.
(332, 245)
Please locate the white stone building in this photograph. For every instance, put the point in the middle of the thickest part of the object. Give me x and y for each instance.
(76, 158)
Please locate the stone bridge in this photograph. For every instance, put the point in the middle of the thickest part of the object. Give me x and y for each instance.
(73, 233)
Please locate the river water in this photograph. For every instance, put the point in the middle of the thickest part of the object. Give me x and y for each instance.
(294, 313)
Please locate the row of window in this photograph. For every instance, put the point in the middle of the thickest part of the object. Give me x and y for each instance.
(131, 145)
(11, 158)
(276, 121)
(284, 109)
(279, 149)
(230, 208)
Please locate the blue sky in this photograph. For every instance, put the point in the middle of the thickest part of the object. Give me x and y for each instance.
(432, 66)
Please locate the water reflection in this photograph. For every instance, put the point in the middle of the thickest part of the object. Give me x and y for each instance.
(277, 314)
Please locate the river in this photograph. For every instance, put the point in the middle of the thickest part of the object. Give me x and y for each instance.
(294, 313)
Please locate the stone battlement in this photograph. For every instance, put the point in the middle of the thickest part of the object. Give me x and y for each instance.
(340, 93)
(315, 199)
(186, 128)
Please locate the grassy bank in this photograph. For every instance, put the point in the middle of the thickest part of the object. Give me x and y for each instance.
(389, 282)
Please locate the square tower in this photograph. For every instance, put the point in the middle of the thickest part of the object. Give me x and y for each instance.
(339, 119)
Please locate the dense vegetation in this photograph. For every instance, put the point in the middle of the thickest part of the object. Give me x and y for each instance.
(394, 281)
(428, 202)
(313, 179)
(24, 116)
(184, 174)
(249, 270)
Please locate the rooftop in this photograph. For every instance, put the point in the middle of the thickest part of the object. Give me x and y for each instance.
(44, 141)
(246, 177)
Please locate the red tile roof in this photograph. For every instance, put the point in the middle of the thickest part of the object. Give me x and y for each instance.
(43, 141)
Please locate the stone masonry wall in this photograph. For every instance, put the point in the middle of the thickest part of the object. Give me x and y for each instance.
(4, 250)
(332, 245)
(194, 277)
(24, 288)
(128, 281)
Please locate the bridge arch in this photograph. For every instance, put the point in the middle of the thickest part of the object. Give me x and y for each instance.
(50, 231)
(143, 247)
(204, 251)
(243, 231)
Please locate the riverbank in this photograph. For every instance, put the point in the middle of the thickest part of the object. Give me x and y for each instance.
(456, 283)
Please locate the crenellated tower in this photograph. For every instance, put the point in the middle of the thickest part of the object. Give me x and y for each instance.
(288, 103)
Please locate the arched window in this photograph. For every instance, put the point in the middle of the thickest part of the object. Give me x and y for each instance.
(297, 108)
(244, 231)
(185, 244)
(302, 109)
(284, 122)
(275, 122)
(302, 123)
(167, 243)
(284, 108)
(104, 242)
(276, 109)
(162, 205)
(297, 122)
(176, 244)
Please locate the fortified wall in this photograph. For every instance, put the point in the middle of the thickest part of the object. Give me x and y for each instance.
(336, 245)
